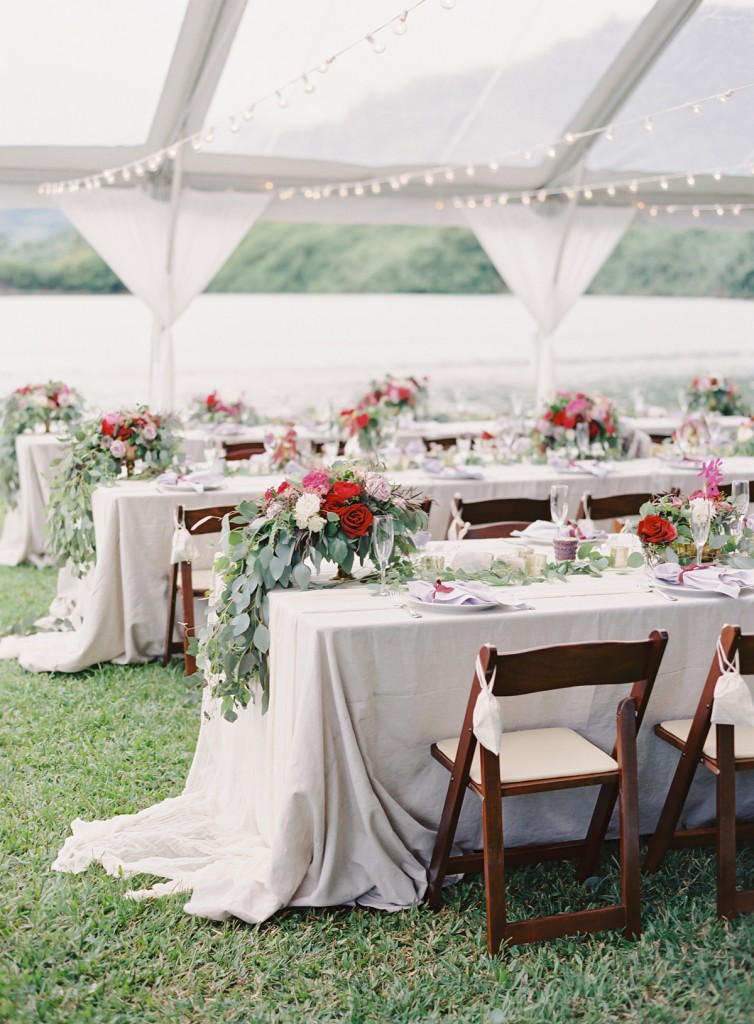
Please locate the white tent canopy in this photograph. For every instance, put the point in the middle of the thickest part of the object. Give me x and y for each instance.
(95, 84)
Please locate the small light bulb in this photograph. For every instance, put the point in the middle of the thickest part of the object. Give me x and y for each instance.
(717, 175)
(653, 211)
(449, 175)
(377, 46)
(394, 184)
(494, 165)
(633, 187)
(282, 101)
(527, 154)
(736, 210)
(570, 138)
(551, 152)
(429, 179)
(587, 193)
(695, 212)
(542, 195)
(457, 204)
(611, 190)
(720, 211)
(248, 114)
(269, 185)
(724, 97)
(663, 184)
(690, 180)
(139, 170)
(487, 202)
(173, 152)
(196, 143)
(404, 179)
(324, 67)
(448, 5)
(125, 174)
(471, 203)
(648, 124)
(640, 205)
(569, 193)
(376, 188)
(439, 205)
(671, 208)
(695, 108)
(342, 192)
(470, 170)
(503, 199)
(74, 186)
(308, 87)
(210, 136)
(109, 177)
(358, 191)
(526, 200)
(233, 125)
(609, 134)
(88, 185)
(399, 25)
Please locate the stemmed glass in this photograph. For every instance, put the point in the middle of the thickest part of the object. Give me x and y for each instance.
(559, 505)
(701, 521)
(583, 442)
(382, 546)
(739, 496)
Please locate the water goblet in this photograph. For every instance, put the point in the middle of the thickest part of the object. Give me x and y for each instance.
(739, 496)
(559, 505)
(701, 521)
(382, 546)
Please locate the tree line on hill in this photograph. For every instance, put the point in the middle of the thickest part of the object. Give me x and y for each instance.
(337, 258)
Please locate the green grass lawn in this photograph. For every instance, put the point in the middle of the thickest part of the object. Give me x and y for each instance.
(116, 739)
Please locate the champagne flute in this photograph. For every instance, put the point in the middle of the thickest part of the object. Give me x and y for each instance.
(739, 496)
(559, 505)
(583, 442)
(382, 546)
(701, 521)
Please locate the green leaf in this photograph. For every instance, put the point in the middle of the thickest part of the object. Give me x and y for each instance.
(635, 560)
(262, 638)
(241, 623)
(302, 574)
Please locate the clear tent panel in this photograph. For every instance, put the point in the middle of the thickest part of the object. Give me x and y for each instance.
(469, 84)
(84, 72)
(711, 54)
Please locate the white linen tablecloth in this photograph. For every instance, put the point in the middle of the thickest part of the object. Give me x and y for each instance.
(23, 538)
(333, 796)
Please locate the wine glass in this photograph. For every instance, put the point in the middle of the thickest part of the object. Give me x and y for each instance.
(382, 546)
(582, 439)
(463, 444)
(701, 521)
(559, 505)
(739, 496)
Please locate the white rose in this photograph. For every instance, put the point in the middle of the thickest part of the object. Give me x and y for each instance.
(700, 510)
(307, 507)
(316, 524)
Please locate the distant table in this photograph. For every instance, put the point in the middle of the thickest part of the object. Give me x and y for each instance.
(333, 795)
(23, 538)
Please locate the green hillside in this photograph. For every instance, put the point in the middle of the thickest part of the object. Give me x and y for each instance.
(336, 258)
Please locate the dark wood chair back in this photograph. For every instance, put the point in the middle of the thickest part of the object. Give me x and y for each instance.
(615, 506)
(498, 517)
(237, 450)
(443, 442)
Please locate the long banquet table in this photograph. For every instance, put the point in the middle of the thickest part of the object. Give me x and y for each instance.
(333, 797)
(121, 604)
(23, 537)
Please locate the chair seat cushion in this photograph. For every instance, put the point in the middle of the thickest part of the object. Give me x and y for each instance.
(533, 754)
(201, 580)
(743, 737)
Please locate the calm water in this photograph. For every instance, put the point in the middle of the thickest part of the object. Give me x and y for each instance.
(293, 351)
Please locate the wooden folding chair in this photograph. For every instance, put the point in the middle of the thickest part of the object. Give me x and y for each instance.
(237, 450)
(537, 760)
(616, 507)
(724, 750)
(498, 517)
(442, 442)
(191, 582)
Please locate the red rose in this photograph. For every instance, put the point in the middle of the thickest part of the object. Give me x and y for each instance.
(342, 490)
(355, 520)
(283, 487)
(569, 422)
(361, 421)
(559, 418)
(656, 530)
(109, 424)
(594, 429)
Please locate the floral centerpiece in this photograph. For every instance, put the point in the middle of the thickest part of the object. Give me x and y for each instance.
(665, 527)
(556, 426)
(282, 445)
(399, 394)
(326, 516)
(26, 409)
(388, 397)
(100, 451)
(364, 422)
(213, 409)
(711, 393)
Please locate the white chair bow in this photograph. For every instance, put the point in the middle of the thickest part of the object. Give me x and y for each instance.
(488, 716)
(733, 703)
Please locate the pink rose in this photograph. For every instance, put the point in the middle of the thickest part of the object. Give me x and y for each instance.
(377, 487)
(149, 433)
(117, 449)
(316, 481)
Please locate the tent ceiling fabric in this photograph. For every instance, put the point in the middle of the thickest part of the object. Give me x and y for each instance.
(460, 86)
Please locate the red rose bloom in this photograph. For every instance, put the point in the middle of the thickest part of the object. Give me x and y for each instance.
(342, 490)
(355, 520)
(656, 530)
(331, 504)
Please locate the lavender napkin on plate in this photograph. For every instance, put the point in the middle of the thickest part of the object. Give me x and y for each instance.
(717, 579)
(466, 592)
(200, 480)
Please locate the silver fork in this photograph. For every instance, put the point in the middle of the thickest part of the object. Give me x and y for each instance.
(648, 589)
(400, 602)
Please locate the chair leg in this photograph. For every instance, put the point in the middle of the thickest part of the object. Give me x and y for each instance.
(598, 826)
(726, 823)
(172, 596)
(494, 853)
(438, 867)
(187, 596)
(629, 819)
(672, 809)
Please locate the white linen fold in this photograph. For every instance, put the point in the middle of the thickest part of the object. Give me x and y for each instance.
(719, 579)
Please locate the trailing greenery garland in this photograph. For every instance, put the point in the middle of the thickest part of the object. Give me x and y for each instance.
(277, 543)
(96, 455)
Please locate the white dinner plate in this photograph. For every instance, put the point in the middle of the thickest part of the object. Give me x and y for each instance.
(184, 488)
(464, 609)
(679, 588)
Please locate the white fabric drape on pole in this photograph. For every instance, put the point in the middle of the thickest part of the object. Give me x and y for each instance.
(164, 256)
(548, 255)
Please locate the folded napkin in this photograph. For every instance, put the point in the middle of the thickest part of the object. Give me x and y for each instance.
(435, 468)
(717, 579)
(468, 592)
(199, 481)
(684, 461)
(544, 531)
(592, 466)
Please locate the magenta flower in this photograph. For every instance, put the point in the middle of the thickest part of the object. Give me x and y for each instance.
(712, 475)
(316, 481)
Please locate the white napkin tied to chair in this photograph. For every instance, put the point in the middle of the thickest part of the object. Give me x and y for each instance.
(457, 529)
(733, 703)
(488, 716)
(184, 548)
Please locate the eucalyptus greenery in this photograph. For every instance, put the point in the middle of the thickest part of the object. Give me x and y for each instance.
(280, 542)
(95, 456)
